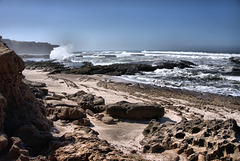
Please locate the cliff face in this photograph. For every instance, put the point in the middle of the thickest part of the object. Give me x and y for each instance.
(24, 115)
(23, 47)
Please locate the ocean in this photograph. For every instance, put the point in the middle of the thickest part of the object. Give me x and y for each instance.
(213, 72)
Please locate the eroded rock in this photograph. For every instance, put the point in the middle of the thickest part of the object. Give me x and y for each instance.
(83, 144)
(196, 139)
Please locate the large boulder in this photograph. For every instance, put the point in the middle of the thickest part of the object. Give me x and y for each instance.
(66, 113)
(75, 114)
(135, 111)
(86, 100)
(25, 115)
(211, 139)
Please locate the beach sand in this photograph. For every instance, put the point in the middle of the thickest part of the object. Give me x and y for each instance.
(126, 134)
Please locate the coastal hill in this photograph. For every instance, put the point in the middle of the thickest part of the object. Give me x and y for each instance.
(25, 47)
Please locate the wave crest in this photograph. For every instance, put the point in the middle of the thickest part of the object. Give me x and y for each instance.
(61, 54)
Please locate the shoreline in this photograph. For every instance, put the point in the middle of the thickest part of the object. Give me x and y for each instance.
(113, 89)
(126, 134)
(62, 114)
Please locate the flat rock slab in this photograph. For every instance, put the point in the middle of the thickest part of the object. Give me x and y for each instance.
(63, 102)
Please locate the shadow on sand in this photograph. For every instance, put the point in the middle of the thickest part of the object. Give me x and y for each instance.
(160, 120)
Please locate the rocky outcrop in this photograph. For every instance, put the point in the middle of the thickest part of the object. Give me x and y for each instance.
(24, 47)
(48, 66)
(236, 66)
(196, 139)
(17, 151)
(83, 144)
(235, 60)
(135, 111)
(74, 114)
(128, 69)
(86, 100)
(61, 107)
(25, 115)
(67, 113)
(114, 69)
(38, 89)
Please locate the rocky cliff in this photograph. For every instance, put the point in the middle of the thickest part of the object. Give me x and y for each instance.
(22, 115)
(24, 47)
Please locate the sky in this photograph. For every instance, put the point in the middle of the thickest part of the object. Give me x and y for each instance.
(186, 25)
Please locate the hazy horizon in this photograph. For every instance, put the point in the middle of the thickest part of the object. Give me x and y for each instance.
(175, 25)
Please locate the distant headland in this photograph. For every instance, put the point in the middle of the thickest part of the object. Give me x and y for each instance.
(29, 47)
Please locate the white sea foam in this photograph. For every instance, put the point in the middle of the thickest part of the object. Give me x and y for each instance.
(61, 54)
(212, 72)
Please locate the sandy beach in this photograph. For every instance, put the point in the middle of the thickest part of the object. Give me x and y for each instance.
(126, 134)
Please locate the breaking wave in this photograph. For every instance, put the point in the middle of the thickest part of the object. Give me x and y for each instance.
(61, 54)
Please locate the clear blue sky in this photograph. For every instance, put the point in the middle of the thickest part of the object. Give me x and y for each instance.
(201, 25)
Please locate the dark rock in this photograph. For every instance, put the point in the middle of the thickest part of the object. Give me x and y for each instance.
(235, 60)
(3, 104)
(25, 116)
(108, 120)
(127, 69)
(66, 113)
(17, 151)
(3, 141)
(82, 122)
(37, 88)
(86, 101)
(48, 66)
(114, 69)
(98, 101)
(99, 108)
(171, 64)
(135, 111)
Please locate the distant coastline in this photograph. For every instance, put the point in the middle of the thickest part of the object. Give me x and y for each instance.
(29, 47)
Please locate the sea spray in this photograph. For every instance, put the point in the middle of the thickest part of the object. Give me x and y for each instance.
(61, 54)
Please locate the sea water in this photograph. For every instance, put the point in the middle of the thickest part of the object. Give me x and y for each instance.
(212, 73)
